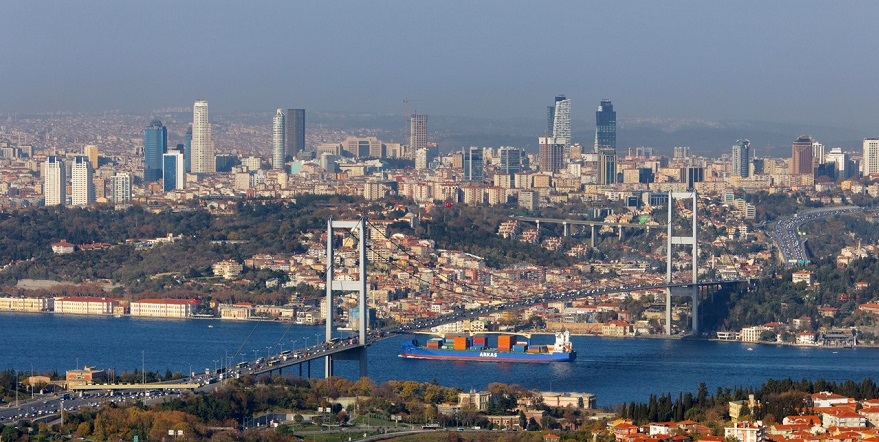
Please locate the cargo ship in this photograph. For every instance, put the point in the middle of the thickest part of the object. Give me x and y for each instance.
(476, 348)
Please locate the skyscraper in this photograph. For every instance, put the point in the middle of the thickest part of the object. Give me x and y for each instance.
(155, 144)
(741, 158)
(474, 164)
(510, 160)
(202, 146)
(605, 127)
(560, 124)
(294, 136)
(278, 144)
(120, 188)
(550, 154)
(801, 156)
(417, 132)
(187, 149)
(173, 175)
(54, 181)
(91, 151)
(82, 183)
(870, 164)
(607, 167)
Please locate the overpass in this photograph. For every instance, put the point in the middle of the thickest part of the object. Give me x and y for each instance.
(594, 225)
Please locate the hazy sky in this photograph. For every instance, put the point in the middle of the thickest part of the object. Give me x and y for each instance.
(779, 61)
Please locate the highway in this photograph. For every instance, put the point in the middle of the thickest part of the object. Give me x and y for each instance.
(786, 234)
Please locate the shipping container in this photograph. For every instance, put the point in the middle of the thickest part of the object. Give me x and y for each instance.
(460, 343)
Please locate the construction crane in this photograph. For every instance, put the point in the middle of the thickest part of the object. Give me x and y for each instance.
(406, 127)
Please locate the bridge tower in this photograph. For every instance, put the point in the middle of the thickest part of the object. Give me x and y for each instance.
(358, 353)
(693, 290)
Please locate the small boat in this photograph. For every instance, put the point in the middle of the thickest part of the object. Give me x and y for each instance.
(211, 326)
(117, 316)
(750, 349)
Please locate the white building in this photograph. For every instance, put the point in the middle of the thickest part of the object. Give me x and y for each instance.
(752, 334)
(120, 188)
(54, 181)
(173, 171)
(82, 183)
(870, 162)
(278, 140)
(228, 269)
(745, 432)
(164, 308)
(32, 305)
(203, 160)
(85, 305)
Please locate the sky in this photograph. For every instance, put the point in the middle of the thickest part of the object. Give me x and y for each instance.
(778, 61)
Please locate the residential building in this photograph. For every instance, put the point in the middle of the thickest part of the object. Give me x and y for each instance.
(63, 247)
(278, 140)
(203, 159)
(155, 144)
(120, 188)
(741, 157)
(746, 432)
(870, 161)
(54, 181)
(91, 151)
(228, 269)
(82, 183)
(550, 154)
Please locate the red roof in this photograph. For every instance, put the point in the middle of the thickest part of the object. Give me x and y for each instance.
(88, 299)
(168, 301)
(62, 243)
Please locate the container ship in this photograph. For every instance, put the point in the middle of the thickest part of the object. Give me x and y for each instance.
(475, 348)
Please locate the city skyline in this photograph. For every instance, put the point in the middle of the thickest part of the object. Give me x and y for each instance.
(62, 63)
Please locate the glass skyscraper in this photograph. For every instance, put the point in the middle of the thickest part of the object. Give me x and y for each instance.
(172, 169)
(187, 150)
(605, 127)
(558, 120)
(474, 164)
(741, 157)
(155, 144)
(294, 132)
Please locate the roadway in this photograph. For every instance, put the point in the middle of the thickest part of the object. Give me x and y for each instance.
(786, 235)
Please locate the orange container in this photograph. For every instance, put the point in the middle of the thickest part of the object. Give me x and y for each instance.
(460, 343)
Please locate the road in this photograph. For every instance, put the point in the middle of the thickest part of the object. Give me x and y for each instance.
(786, 234)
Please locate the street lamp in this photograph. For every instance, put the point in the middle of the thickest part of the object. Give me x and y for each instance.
(254, 354)
(143, 366)
(268, 351)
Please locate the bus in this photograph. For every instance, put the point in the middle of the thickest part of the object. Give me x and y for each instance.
(433, 427)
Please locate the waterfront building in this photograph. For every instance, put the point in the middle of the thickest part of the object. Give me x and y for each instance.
(241, 310)
(870, 162)
(173, 172)
(155, 144)
(29, 305)
(120, 188)
(417, 133)
(278, 140)
(474, 164)
(82, 183)
(741, 154)
(801, 156)
(54, 181)
(550, 154)
(86, 305)
(163, 308)
(605, 127)
(203, 159)
(84, 376)
(294, 132)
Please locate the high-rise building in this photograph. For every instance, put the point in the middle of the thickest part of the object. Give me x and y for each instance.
(203, 160)
(801, 156)
(294, 132)
(607, 167)
(417, 132)
(120, 188)
(54, 181)
(870, 162)
(91, 151)
(155, 144)
(187, 149)
(174, 177)
(560, 113)
(605, 127)
(741, 158)
(510, 160)
(474, 164)
(82, 183)
(838, 160)
(278, 140)
(681, 152)
(550, 154)
(818, 153)
(421, 159)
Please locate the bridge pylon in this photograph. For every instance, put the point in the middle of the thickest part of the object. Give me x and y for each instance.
(690, 240)
(343, 285)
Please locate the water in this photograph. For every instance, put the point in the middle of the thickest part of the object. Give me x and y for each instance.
(616, 370)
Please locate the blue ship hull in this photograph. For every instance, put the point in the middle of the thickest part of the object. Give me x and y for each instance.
(410, 350)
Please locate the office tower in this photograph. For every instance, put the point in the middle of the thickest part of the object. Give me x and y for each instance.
(550, 154)
(278, 140)
(187, 149)
(870, 163)
(818, 153)
(91, 151)
(559, 120)
(801, 156)
(838, 160)
(82, 183)
(173, 174)
(417, 132)
(681, 152)
(294, 132)
(120, 188)
(54, 181)
(605, 127)
(607, 167)
(203, 160)
(693, 175)
(155, 144)
(510, 160)
(474, 164)
(741, 156)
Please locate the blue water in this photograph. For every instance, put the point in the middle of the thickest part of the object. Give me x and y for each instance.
(616, 370)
